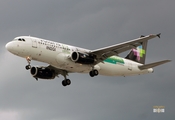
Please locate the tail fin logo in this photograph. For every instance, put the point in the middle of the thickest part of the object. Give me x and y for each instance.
(139, 52)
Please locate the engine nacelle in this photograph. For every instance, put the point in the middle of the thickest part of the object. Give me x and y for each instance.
(43, 73)
(82, 58)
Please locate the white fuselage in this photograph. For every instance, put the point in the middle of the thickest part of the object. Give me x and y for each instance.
(58, 55)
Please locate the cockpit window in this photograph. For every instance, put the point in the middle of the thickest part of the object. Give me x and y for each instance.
(21, 39)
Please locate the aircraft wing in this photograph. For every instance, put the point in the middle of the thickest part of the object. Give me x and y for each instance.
(103, 53)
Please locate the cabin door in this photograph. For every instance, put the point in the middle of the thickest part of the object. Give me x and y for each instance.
(34, 43)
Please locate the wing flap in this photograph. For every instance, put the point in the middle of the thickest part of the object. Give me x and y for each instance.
(151, 65)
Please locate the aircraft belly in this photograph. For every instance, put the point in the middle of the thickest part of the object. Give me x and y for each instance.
(78, 69)
(109, 69)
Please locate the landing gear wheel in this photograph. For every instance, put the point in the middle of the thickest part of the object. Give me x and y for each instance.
(28, 67)
(93, 73)
(66, 82)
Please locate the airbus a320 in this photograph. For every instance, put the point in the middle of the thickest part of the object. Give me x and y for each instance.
(63, 59)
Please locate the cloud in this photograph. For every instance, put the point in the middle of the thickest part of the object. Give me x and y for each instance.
(9, 115)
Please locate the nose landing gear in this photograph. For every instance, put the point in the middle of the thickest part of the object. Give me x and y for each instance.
(28, 66)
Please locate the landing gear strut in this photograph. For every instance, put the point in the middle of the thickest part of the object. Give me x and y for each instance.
(28, 66)
(93, 73)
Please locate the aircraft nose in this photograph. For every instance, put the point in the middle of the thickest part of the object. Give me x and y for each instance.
(9, 46)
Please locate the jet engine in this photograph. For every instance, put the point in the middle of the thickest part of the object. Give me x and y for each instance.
(82, 58)
(43, 73)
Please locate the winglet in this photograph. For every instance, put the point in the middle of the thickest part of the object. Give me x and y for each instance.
(158, 35)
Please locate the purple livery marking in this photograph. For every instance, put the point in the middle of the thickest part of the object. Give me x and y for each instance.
(138, 52)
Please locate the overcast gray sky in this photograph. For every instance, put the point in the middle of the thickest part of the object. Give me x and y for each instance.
(90, 24)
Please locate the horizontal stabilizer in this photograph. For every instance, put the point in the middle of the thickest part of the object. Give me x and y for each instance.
(151, 65)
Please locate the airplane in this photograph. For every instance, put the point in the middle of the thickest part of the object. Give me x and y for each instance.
(63, 59)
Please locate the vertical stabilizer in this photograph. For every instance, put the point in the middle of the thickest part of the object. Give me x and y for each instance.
(138, 54)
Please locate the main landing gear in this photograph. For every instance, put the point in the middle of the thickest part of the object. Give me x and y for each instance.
(66, 81)
(28, 66)
(93, 73)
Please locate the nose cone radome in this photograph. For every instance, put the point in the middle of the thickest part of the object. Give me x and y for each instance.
(9, 47)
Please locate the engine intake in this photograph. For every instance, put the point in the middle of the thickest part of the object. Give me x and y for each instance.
(43, 73)
(82, 58)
